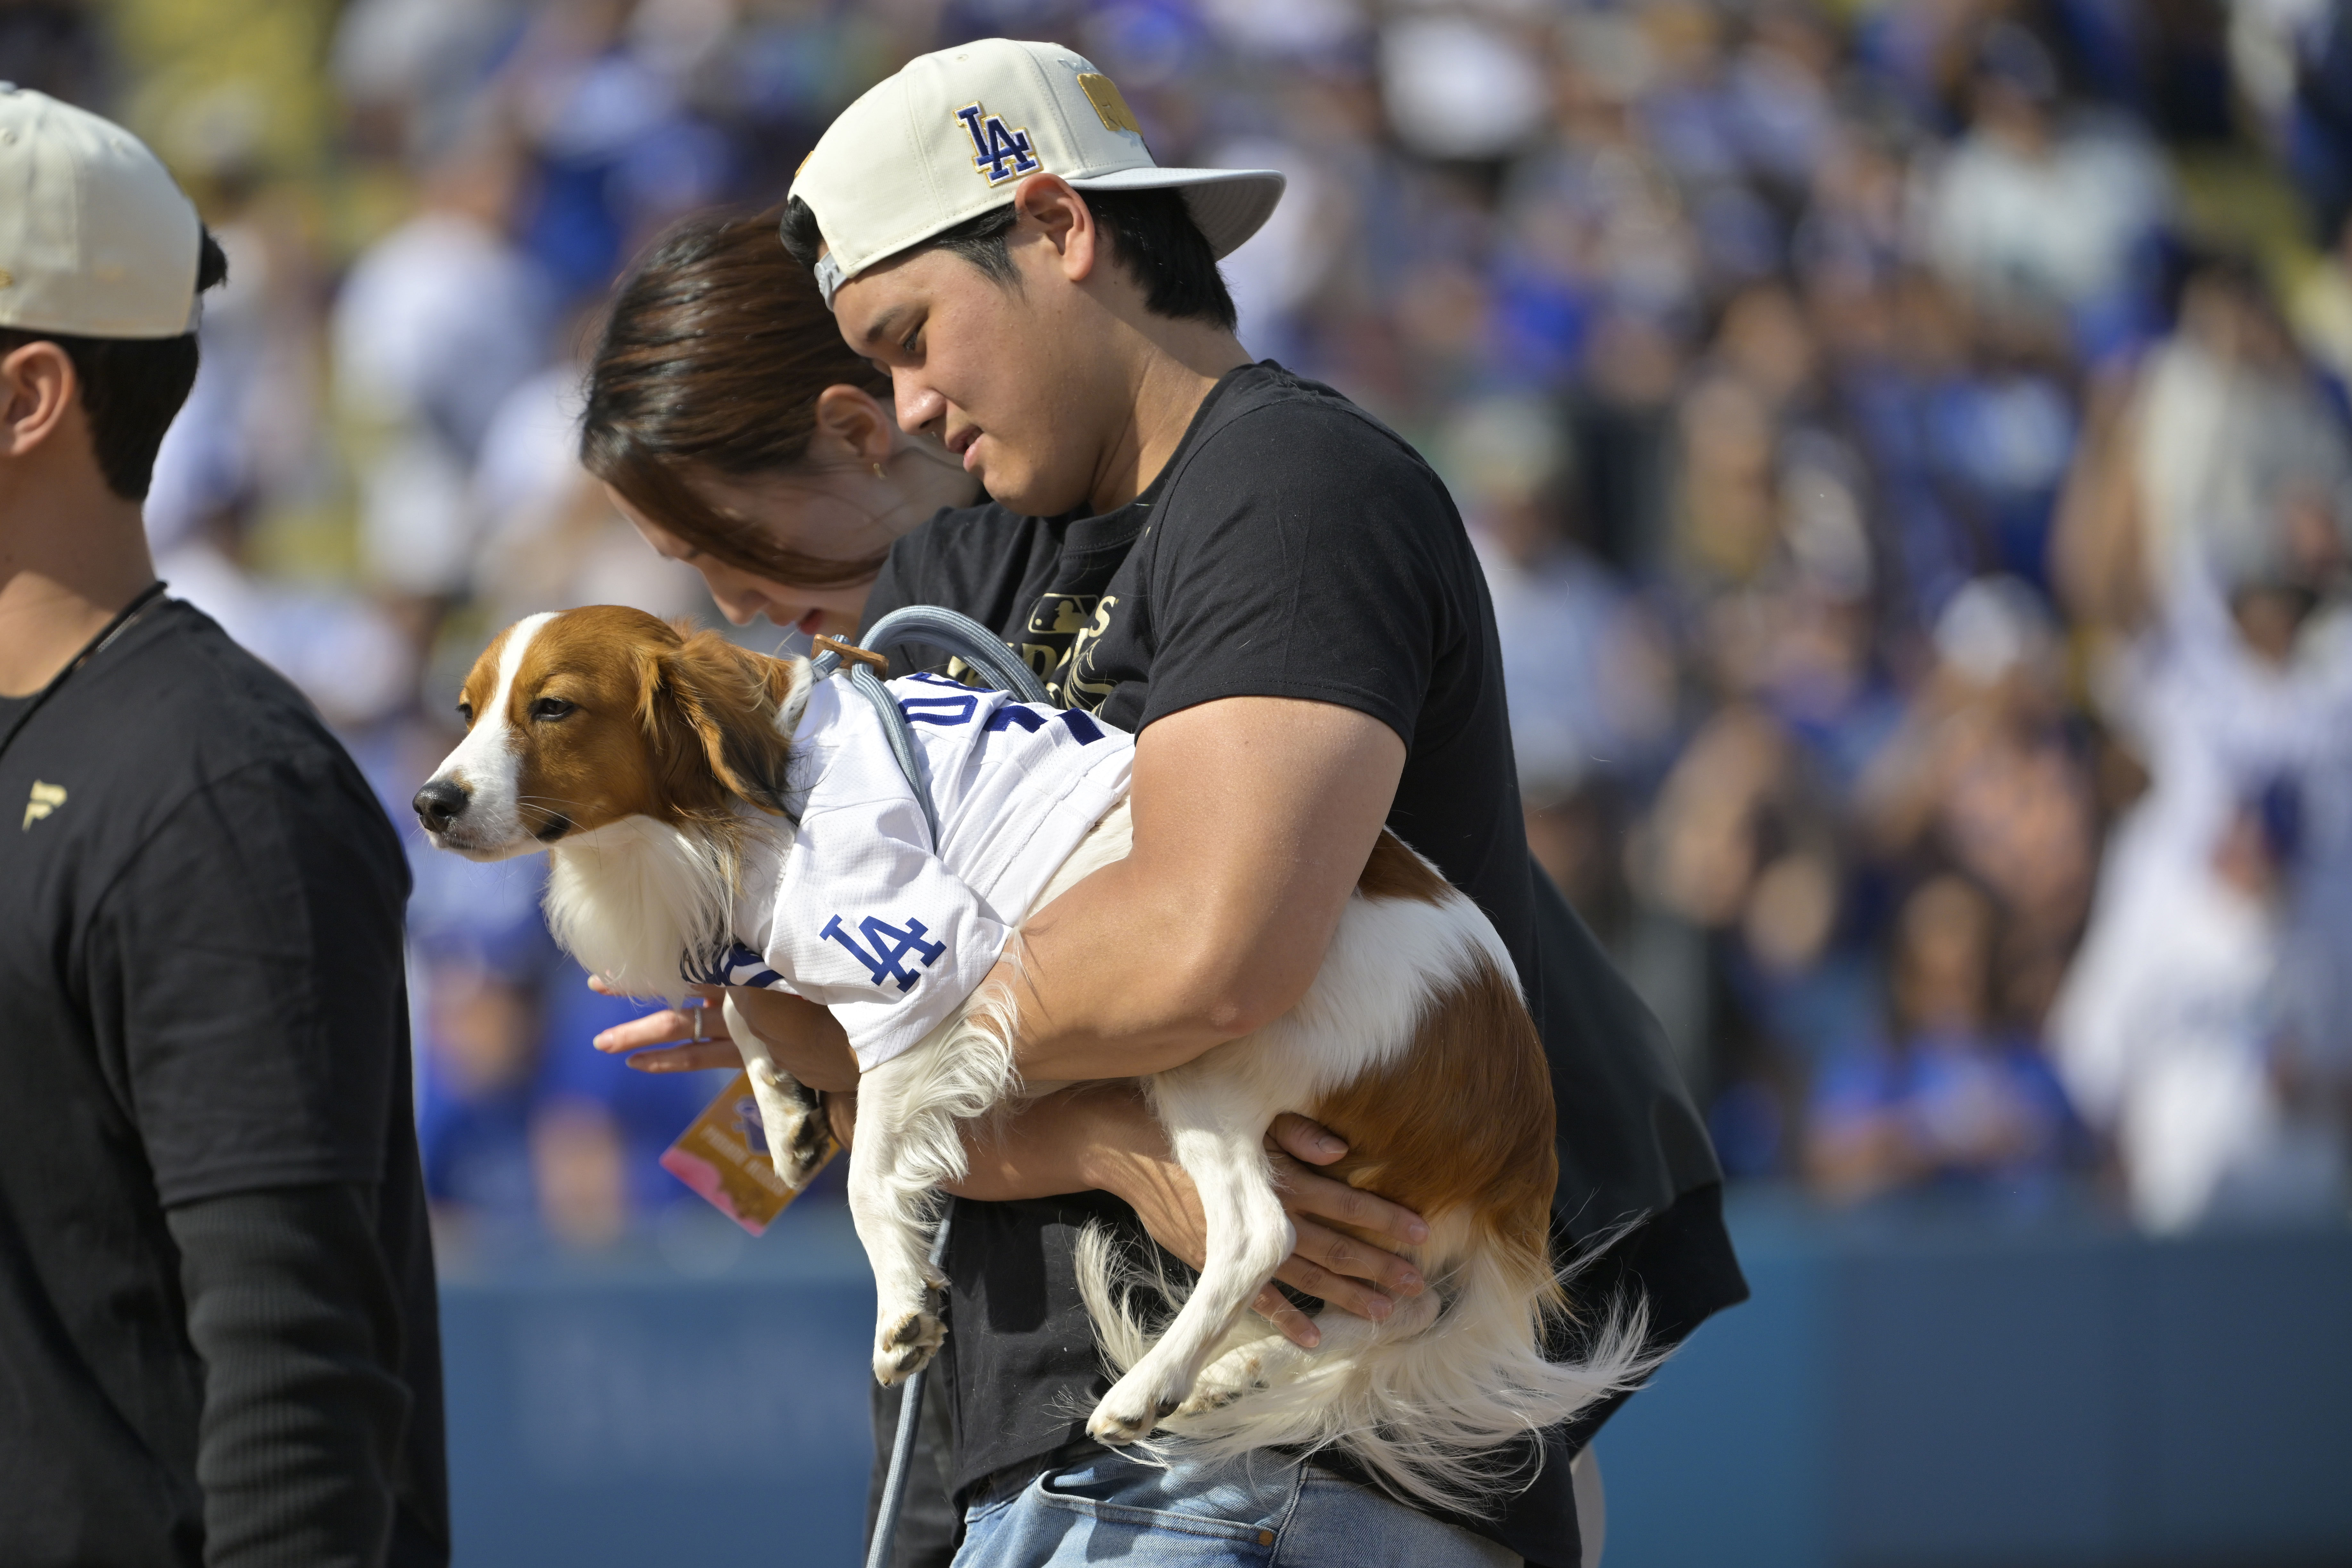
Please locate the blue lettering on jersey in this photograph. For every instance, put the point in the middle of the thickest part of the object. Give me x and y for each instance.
(1013, 713)
(739, 965)
(891, 945)
(949, 710)
(999, 151)
(1027, 719)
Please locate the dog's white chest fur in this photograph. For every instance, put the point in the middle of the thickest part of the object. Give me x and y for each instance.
(637, 900)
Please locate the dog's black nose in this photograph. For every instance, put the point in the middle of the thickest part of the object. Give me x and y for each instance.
(439, 804)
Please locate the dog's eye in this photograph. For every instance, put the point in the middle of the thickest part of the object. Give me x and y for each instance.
(465, 711)
(551, 707)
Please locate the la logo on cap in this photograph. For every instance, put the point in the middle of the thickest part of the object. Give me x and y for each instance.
(1000, 152)
(882, 179)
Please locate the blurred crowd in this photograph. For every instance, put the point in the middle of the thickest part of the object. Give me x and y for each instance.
(1908, 443)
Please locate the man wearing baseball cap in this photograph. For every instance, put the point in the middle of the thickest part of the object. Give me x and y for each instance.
(1275, 592)
(218, 1340)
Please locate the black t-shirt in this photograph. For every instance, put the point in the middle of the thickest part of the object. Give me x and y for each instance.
(201, 971)
(1293, 546)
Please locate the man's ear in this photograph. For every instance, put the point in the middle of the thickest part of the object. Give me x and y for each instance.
(1065, 221)
(711, 708)
(38, 390)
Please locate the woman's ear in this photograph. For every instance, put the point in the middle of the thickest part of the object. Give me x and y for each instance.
(714, 708)
(852, 427)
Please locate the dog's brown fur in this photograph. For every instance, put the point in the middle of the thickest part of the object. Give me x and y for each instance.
(1425, 1132)
(678, 732)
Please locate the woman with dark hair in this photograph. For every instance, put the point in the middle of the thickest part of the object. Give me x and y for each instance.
(729, 422)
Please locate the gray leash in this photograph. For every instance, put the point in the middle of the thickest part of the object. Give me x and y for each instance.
(902, 1445)
(965, 638)
(969, 641)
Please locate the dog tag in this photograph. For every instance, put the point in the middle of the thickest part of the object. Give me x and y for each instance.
(723, 1155)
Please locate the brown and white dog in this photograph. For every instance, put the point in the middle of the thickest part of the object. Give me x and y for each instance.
(652, 767)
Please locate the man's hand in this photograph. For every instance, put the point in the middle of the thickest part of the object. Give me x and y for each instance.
(1104, 1137)
(807, 1042)
(1351, 1275)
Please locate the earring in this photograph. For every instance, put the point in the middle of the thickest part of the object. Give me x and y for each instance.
(878, 473)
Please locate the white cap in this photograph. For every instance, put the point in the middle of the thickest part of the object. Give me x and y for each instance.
(948, 137)
(95, 240)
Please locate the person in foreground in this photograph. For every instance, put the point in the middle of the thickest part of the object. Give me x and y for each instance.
(1276, 594)
(731, 425)
(218, 1339)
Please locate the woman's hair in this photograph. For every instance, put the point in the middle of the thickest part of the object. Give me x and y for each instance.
(711, 359)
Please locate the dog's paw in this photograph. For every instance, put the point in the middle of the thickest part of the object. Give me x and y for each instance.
(904, 1343)
(1130, 1411)
(1224, 1380)
(1205, 1399)
(802, 1152)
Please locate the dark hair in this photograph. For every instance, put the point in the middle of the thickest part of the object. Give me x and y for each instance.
(131, 388)
(713, 357)
(1152, 237)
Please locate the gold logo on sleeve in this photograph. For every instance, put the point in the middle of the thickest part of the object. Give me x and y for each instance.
(47, 798)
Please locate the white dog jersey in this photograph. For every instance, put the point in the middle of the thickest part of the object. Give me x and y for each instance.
(864, 915)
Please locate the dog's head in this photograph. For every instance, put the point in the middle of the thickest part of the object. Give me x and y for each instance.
(578, 720)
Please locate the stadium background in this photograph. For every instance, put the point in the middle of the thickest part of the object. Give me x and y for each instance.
(1909, 447)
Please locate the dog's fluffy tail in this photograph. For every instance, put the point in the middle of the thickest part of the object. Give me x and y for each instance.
(1421, 1402)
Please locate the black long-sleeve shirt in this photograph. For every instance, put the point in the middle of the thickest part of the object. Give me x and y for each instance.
(299, 1320)
(219, 1340)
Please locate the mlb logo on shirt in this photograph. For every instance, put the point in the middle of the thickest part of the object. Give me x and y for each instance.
(1000, 152)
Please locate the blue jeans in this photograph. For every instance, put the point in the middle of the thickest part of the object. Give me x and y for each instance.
(1259, 1512)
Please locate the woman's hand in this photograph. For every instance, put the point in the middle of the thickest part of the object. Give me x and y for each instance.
(1104, 1137)
(806, 1041)
(702, 1040)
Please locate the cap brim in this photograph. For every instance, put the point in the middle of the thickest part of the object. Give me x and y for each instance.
(1230, 204)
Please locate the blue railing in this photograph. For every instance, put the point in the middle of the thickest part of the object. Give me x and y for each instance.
(1913, 1387)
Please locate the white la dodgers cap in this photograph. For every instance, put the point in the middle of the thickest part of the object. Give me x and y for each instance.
(96, 240)
(948, 137)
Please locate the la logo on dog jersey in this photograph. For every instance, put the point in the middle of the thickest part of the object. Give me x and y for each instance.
(891, 944)
(47, 798)
(1000, 151)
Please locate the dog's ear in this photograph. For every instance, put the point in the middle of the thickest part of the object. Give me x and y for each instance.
(713, 708)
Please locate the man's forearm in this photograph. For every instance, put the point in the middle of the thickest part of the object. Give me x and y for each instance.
(1112, 981)
(1047, 1147)
(1098, 1137)
(291, 1306)
(1253, 820)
